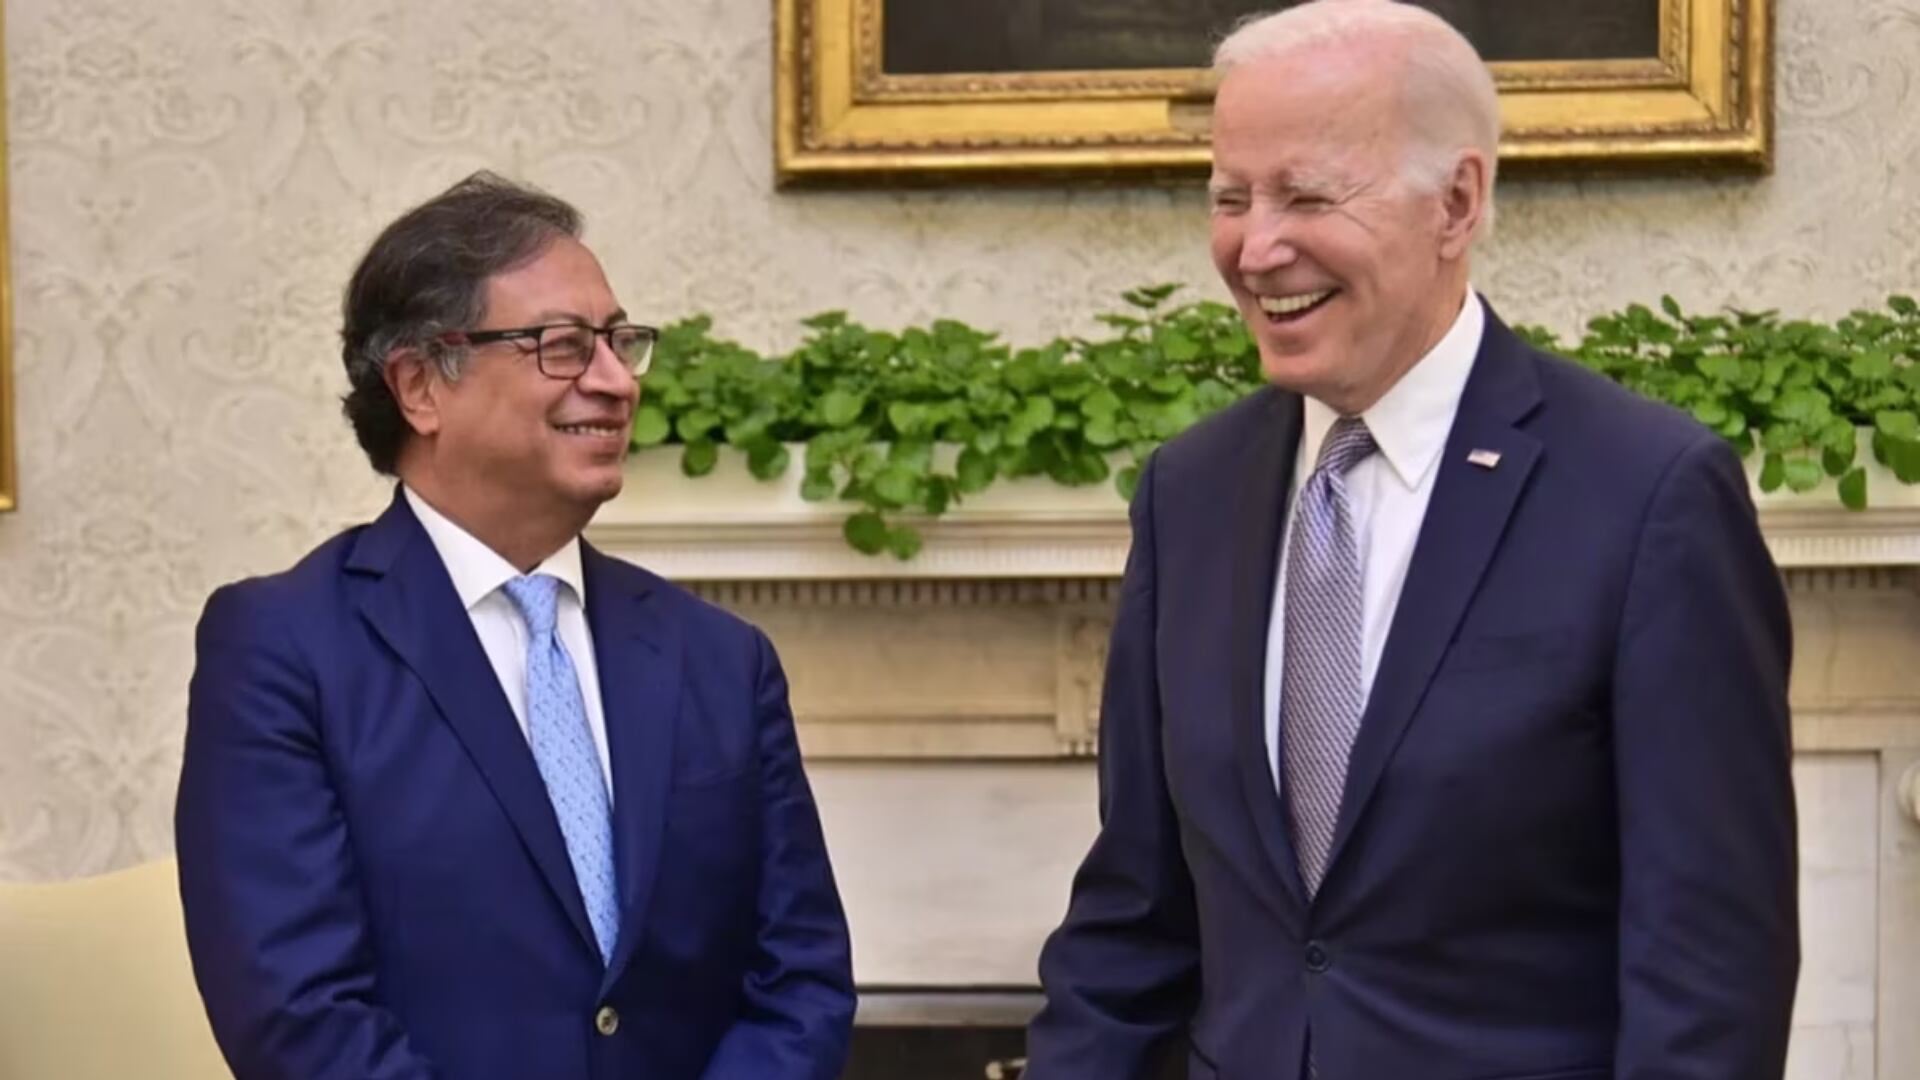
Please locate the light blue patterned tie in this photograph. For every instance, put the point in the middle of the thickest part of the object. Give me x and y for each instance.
(564, 751)
(1320, 691)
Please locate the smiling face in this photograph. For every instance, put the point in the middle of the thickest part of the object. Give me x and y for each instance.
(504, 449)
(1345, 273)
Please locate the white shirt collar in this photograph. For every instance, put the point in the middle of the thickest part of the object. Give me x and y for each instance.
(1411, 420)
(476, 569)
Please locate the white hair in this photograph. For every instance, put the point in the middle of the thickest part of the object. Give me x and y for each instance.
(1446, 90)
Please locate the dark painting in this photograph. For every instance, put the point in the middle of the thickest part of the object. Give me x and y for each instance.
(939, 37)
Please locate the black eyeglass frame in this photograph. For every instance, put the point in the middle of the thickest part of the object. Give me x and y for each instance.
(636, 368)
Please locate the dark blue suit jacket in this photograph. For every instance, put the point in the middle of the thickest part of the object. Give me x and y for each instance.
(376, 887)
(1566, 846)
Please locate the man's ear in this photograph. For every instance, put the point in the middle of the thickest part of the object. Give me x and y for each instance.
(1463, 203)
(417, 385)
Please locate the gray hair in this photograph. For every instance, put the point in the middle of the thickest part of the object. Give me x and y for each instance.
(1446, 90)
(427, 274)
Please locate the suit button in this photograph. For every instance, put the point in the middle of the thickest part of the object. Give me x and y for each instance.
(607, 1020)
(1317, 958)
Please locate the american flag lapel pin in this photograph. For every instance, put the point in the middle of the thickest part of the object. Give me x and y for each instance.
(1486, 459)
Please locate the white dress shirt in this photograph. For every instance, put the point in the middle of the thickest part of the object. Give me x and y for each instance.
(1387, 495)
(478, 572)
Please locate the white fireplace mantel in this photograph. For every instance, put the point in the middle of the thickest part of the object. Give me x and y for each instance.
(732, 527)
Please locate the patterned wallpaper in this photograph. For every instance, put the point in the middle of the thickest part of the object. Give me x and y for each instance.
(192, 180)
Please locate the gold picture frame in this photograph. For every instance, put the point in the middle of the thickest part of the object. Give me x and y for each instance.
(1705, 102)
(9, 494)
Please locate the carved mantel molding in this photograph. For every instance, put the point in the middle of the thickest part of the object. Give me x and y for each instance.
(731, 527)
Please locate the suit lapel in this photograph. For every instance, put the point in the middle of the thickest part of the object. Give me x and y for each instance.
(638, 654)
(410, 601)
(1266, 476)
(1465, 520)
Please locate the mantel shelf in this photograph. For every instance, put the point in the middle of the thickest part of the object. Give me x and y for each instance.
(731, 527)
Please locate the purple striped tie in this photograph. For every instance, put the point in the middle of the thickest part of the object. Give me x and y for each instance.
(1320, 691)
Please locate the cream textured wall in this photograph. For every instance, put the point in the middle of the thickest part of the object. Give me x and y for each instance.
(192, 180)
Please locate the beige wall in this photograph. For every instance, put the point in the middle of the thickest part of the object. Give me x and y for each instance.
(192, 180)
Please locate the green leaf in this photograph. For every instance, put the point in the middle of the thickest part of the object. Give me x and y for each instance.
(867, 532)
(1903, 457)
(974, 471)
(831, 447)
(1178, 346)
(1148, 298)
(1180, 415)
(1873, 365)
(909, 418)
(897, 485)
(1803, 474)
(1853, 489)
(1102, 432)
(1903, 305)
(767, 460)
(1773, 471)
(1897, 424)
(1085, 467)
(1800, 405)
(699, 459)
(936, 494)
(694, 426)
(650, 426)
(1102, 403)
(1127, 481)
(1672, 307)
(868, 463)
(747, 430)
(913, 454)
(904, 542)
(1725, 369)
(1781, 438)
(818, 486)
(839, 407)
(1711, 413)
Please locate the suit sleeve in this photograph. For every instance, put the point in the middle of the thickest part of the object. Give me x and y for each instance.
(797, 1013)
(1709, 939)
(275, 920)
(1121, 974)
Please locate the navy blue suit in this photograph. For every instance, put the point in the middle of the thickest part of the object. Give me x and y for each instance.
(1566, 844)
(375, 884)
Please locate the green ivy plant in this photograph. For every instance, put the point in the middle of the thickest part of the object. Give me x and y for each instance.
(871, 406)
(1795, 390)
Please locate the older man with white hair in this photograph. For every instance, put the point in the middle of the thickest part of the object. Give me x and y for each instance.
(1445, 731)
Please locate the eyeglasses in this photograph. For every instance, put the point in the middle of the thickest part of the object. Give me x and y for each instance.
(565, 350)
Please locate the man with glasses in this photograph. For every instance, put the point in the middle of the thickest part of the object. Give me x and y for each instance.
(463, 797)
